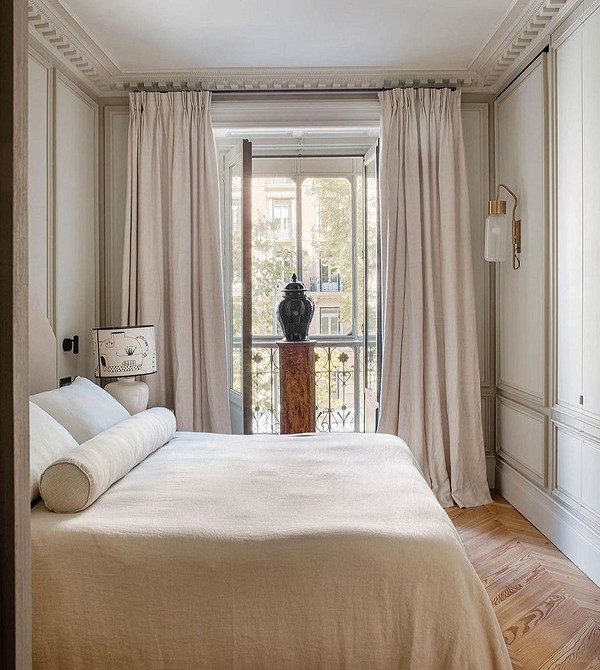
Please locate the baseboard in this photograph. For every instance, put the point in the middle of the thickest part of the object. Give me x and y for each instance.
(490, 467)
(575, 538)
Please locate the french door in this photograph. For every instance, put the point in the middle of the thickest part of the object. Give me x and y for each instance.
(372, 292)
(237, 264)
(316, 217)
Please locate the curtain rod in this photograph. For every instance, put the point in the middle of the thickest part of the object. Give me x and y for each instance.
(323, 91)
(294, 91)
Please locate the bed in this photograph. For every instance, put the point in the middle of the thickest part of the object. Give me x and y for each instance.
(261, 552)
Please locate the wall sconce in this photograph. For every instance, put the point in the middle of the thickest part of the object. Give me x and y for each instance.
(496, 231)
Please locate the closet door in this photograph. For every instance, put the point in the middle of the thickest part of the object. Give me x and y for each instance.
(521, 298)
(521, 295)
(569, 215)
(591, 209)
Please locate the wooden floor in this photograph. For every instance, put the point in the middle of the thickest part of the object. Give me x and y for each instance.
(548, 610)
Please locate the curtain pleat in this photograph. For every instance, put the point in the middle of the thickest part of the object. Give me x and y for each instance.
(172, 274)
(430, 389)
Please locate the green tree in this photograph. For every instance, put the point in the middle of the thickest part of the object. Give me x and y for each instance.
(333, 239)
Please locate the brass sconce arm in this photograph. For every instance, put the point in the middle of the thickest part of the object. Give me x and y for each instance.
(498, 206)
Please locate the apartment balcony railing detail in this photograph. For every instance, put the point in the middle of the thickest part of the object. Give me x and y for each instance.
(282, 233)
(337, 379)
(265, 388)
(317, 286)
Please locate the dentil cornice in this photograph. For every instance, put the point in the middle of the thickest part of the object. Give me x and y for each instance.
(508, 50)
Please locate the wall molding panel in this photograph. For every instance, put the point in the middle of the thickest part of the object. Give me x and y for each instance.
(565, 506)
(521, 439)
(521, 296)
(41, 119)
(63, 195)
(77, 273)
(116, 121)
(522, 34)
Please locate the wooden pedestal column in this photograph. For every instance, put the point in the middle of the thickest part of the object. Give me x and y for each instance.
(297, 387)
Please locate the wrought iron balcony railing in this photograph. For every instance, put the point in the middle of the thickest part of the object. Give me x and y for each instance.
(337, 380)
(317, 286)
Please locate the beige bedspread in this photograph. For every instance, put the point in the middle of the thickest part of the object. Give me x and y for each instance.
(301, 552)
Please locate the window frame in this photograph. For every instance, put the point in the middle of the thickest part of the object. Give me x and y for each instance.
(329, 317)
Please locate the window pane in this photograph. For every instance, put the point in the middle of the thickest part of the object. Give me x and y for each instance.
(235, 185)
(330, 320)
(273, 248)
(327, 251)
(371, 276)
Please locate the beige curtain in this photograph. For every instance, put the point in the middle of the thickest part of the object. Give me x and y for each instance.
(172, 254)
(430, 373)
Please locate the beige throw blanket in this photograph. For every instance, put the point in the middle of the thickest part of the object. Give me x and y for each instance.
(304, 552)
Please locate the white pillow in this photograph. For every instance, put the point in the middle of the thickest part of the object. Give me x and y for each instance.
(73, 483)
(48, 440)
(83, 408)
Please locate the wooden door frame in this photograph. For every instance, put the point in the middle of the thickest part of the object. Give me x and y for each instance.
(247, 285)
(15, 540)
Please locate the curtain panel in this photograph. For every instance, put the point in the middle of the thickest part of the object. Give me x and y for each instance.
(430, 388)
(172, 275)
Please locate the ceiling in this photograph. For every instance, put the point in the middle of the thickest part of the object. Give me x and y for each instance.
(122, 44)
(142, 35)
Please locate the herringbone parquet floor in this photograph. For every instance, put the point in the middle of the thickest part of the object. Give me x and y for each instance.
(548, 610)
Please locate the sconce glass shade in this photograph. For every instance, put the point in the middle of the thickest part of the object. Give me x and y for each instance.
(496, 238)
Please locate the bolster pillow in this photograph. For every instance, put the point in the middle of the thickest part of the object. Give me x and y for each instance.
(74, 483)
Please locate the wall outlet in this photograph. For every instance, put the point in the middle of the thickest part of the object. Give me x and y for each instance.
(64, 381)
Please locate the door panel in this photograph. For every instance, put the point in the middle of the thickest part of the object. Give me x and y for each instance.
(236, 266)
(372, 282)
(247, 285)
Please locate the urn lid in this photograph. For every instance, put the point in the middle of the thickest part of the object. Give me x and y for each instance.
(294, 286)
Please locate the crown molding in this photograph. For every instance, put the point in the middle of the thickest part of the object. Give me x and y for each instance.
(509, 50)
(506, 52)
(289, 79)
(52, 26)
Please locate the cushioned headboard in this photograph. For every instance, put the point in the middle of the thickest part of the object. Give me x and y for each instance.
(42, 350)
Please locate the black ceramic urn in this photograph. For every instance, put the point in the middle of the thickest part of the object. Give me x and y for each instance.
(295, 311)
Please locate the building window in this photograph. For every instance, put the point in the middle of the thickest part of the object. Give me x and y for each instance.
(330, 320)
(281, 215)
(330, 276)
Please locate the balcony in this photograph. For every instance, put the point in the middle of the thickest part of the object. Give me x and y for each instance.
(282, 233)
(317, 286)
(337, 380)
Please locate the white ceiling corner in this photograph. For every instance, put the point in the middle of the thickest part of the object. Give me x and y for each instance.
(97, 48)
(53, 26)
(512, 47)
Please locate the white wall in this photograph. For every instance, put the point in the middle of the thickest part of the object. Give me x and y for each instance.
(548, 312)
(63, 166)
(576, 411)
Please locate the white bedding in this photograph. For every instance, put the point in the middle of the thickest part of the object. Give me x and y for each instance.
(261, 552)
